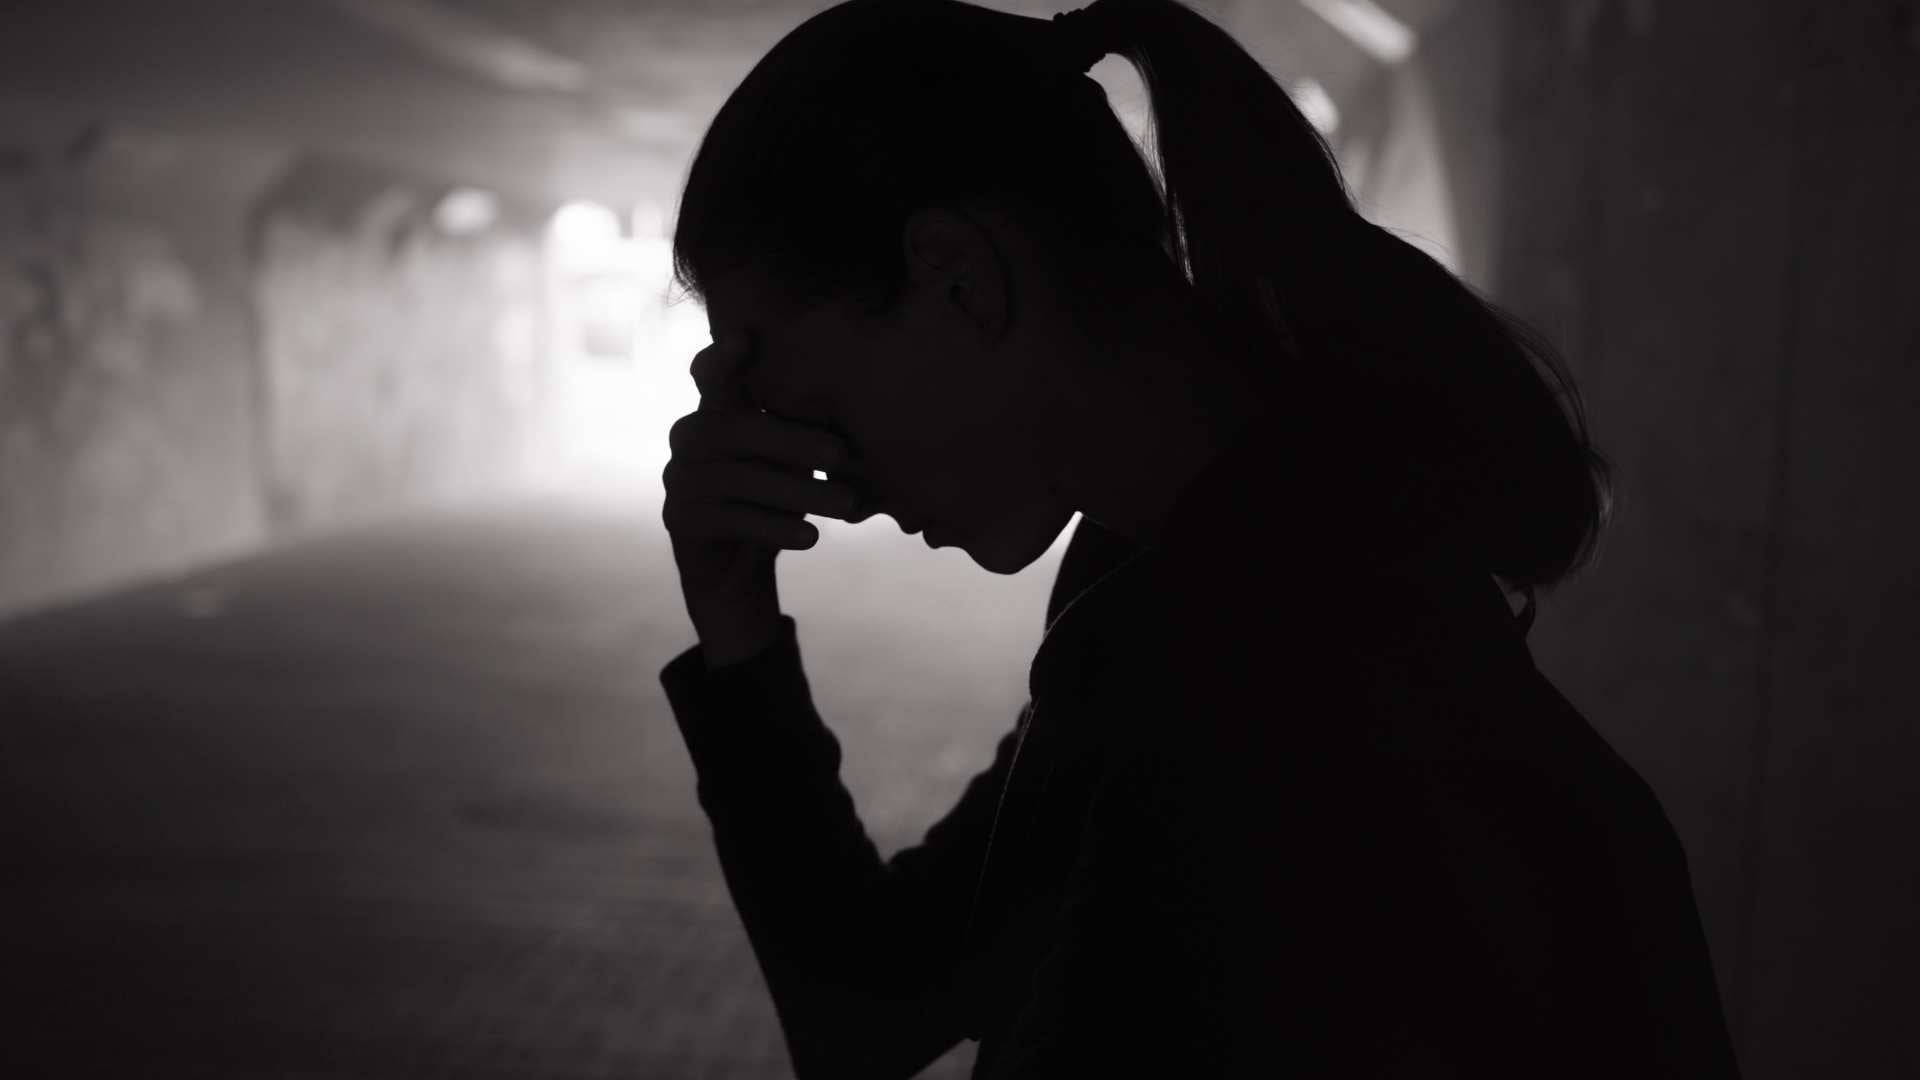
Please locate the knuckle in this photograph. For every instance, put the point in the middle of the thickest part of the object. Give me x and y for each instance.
(680, 433)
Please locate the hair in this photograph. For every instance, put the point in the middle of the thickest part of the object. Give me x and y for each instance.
(875, 108)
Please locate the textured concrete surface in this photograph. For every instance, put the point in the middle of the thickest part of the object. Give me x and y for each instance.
(398, 365)
(207, 345)
(408, 802)
(125, 341)
(1712, 209)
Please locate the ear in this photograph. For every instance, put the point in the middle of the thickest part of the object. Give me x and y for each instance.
(955, 258)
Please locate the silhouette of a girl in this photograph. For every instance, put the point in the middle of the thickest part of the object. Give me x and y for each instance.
(1291, 797)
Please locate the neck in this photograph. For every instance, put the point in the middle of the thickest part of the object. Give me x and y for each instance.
(1156, 395)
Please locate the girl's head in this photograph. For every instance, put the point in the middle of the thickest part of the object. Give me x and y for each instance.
(930, 220)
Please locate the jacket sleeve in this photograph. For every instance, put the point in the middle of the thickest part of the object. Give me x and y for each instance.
(860, 955)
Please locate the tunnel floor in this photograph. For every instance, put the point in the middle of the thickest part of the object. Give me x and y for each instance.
(403, 802)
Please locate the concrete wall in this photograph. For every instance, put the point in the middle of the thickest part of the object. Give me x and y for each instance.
(126, 436)
(1715, 210)
(398, 363)
(208, 345)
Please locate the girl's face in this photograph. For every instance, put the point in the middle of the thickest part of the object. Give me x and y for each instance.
(948, 419)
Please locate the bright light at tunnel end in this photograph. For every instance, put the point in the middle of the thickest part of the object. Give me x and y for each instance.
(619, 349)
(584, 234)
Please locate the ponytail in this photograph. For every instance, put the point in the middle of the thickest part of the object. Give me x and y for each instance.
(1263, 226)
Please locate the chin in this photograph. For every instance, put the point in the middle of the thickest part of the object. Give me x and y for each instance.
(1009, 550)
(996, 562)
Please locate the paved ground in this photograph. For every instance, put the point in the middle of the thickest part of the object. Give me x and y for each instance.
(408, 802)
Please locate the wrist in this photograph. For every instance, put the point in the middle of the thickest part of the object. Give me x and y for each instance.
(727, 642)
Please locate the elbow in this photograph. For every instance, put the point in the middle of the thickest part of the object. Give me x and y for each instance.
(883, 1040)
(869, 1061)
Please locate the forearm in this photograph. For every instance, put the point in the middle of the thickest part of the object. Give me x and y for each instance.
(737, 624)
(853, 967)
(788, 835)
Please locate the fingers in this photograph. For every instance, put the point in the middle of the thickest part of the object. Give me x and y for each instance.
(737, 521)
(761, 485)
(706, 435)
(739, 474)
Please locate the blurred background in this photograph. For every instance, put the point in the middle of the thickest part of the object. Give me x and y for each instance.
(336, 364)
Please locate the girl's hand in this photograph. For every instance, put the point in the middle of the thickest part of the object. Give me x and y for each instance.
(738, 486)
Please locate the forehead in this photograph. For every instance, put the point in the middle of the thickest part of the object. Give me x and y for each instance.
(744, 300)
(735, 301)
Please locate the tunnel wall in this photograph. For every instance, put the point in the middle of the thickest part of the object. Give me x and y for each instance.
(126, 427)
(207, 346)
(1715, 211)
(398, 363)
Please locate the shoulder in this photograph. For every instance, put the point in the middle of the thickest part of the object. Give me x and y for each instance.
(1321, 689)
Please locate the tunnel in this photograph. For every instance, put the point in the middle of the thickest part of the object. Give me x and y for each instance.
(339, 349)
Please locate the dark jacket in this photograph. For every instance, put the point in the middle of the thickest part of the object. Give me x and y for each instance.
(1289, 798)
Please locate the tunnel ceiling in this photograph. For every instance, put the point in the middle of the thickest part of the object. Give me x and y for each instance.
(546, 99)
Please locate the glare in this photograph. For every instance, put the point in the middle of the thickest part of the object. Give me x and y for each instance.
(621, 350)
(1315, 105)
(584, 234)
(465, 210)
(1384, 37)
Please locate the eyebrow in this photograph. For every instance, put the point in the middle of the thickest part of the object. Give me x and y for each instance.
(767, 392)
